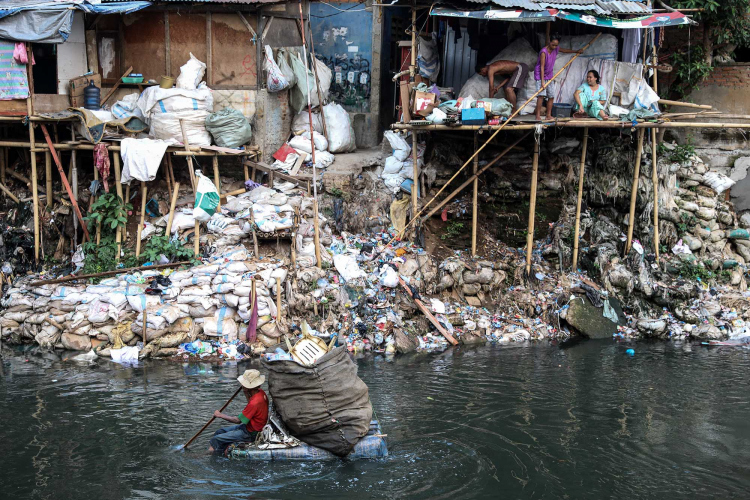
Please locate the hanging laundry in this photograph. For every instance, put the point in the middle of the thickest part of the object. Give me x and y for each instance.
(631, 45)
(20, 54)
(101, 162)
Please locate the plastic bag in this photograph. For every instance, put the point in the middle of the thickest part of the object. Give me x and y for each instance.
(302, 142)
(437, 116)
(191, 74)
(283, 61)
(301, 123)
(325, 77)
(206, 198)
(276, 81)
(229, 128)
(340, 131)
(298, 94)
(401, 148)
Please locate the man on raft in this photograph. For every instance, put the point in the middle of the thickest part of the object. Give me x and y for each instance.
(248, 423)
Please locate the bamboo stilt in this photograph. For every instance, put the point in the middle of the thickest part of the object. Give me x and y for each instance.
(532, 208)
(217, 180)
(118, 190)
(655, 180)
(278, 300)
(497, 131)
(475, 167)
(247, 172)
(3, 164)
(9, 193)
(48, 177)
(316, 223)
(415, 174)
(125, 228)
(144, 191)
(581, 169)
(471, 179)
(145, 333)
(175, 192)
(93, 200)
(634, 190)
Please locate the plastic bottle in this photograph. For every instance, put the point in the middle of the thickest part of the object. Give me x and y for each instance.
(92, 97)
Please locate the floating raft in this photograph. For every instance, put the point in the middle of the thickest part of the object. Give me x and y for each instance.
(373, 445)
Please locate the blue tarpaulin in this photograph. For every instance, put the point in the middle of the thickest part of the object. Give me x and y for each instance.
(50, 22)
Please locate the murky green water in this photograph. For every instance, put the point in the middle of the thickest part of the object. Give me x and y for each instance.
(489, 422)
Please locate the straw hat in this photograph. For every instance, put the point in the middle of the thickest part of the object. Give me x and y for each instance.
(251, 379)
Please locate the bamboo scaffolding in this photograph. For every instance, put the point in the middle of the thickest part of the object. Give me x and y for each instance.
(655, 180)
(475, 195)
(634, 190)
(217, 181)
(581, 169)
(73, 199)
(489, 140)
(171, 209)
(316, 223)
(48, 176)
(194, 181)
(144, 191)
(583, 123)
(9, 193)
(532, 208)
(118, 190)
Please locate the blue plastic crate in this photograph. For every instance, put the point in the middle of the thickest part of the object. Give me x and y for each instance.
(472, 116)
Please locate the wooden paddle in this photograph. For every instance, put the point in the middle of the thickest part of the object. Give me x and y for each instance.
(212, 418)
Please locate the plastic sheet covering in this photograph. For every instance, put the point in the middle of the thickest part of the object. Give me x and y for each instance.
(51, 22)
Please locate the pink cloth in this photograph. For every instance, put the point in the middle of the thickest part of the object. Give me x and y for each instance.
(252, 327)
(20, 54)
(101, 161)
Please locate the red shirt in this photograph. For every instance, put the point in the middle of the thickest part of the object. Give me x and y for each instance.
(255, 414)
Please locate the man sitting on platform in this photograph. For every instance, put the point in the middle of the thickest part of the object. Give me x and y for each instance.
(516, 78)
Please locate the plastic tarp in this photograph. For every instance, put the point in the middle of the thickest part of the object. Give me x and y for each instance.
(51, 22)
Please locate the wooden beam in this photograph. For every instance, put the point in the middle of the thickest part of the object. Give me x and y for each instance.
(475, 195)
(634, 191)
(581, 169)
(428, 314)
(532, 208)
(117, 85)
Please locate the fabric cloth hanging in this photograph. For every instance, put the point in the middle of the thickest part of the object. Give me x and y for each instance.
(101, 162)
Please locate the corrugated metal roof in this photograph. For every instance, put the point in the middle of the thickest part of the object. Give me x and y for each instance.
(211, 1)
(601, 7)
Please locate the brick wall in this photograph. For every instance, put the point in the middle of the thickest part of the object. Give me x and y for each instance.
(729, 75)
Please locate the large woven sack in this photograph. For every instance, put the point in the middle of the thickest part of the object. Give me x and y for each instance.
(326, 405)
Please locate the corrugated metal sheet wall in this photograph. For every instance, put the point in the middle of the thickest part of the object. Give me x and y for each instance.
(458, 60)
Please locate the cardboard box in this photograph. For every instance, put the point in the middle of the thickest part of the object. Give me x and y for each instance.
(404, 92)
(76, 101)
(424, 103)
(78, 84)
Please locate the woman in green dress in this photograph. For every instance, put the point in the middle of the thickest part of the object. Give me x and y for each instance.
(591, 98)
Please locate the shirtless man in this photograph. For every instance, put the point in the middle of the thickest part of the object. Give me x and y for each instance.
(516, 77)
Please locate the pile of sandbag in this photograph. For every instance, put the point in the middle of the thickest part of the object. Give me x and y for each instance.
(325, 405)
(208, 301)
(191, 101)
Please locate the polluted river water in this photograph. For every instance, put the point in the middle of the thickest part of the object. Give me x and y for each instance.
(533, 421)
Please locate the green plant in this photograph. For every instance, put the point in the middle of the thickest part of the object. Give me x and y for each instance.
(541, 217)
(109, 211)
(688, 221)
(160, 245)
(452, 230)
(695, 271)
(336, 192)
(100, 257)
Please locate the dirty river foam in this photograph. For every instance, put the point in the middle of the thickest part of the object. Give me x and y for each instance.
(488, 422)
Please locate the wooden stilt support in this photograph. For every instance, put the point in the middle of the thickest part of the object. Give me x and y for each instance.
(316, 222)
(415, 174)
(144, 191)
(278, 300)
(247, 172)
(217, 180)
(581, 169)
(144, 331)
(475, 166)
(471, 179)
(118, 190)
(194, 181)
(48, 177)
(3, 164)
(125, 227)
(634, 190)
(175, 193)
(9, 193)
(532, 208)
(73, 198)
(655, 180)
(93, 200)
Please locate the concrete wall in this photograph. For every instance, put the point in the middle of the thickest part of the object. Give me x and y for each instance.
(71, 55)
